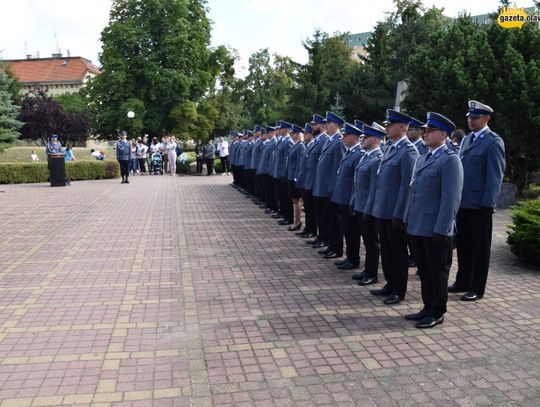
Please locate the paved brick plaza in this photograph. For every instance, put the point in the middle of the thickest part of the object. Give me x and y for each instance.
(179, 291)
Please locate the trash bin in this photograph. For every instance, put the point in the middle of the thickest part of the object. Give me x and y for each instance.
(57, 170)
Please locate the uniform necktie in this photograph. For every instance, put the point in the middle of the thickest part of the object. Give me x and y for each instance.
(473, 137)
(428, 156)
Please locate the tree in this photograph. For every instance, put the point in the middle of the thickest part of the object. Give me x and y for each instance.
(337, 107)
(76, 102)
(9, 125)
(43, 116)
(155, 55)
(500, 67)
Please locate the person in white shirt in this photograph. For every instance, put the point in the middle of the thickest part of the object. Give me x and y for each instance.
(170, 148)
(223, 149)
(34, 156)
(141, 156)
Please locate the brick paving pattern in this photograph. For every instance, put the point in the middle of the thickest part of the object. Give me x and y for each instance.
(179, 291)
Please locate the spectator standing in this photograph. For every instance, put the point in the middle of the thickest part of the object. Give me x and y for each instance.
(133, 163)
(199, 156)
(123, 155)
(69, 153)
(223, 149)
(170, 148)
(209, 153)
(141, 156)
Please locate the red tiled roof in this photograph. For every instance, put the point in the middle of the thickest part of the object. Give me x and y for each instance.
(52, 69)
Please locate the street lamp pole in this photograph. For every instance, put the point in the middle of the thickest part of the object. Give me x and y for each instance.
(131, 115)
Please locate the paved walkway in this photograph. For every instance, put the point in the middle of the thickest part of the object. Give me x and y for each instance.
(179, 291)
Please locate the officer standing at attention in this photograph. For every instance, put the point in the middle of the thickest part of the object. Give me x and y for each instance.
(483, 158)
(310, 229)
(430, 217)
(325, 180)
(255, 158)
(365, 185)
(393, 181)
(274, 170)
(232, 156)
(280, 174)
(259, 169)
(320, 139)
(293, 167)
(415, 133)
(123, 155)
(267, 168)
(341, 196)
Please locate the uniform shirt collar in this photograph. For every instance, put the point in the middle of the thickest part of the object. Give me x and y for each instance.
(374, 151)
(334, 135)
(437, 149)
(353, 147)
(479, 132)
(397, 143)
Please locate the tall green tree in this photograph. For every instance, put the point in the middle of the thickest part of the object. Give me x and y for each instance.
(156, 58)
(9, 125)
(266, 88)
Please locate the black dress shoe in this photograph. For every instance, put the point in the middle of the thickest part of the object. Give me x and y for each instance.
(295, 228)
(359, 276)
(318, 245)
(332, 255)
(455, 289)
(471, 296)
(341, 262)
(324, 251)
(284, 222)
(393, 299)
(302, 233)
(348, 266)
(418, 316)
(314, 241)
(276, 216)
(367, 280)
(429, 322)
(309, 236)
(411, 262)
(268, 211)
(381, 292)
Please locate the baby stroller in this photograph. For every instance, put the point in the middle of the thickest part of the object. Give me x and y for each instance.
(156, 164)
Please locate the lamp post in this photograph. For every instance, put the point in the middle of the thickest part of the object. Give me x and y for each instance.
(131, 115)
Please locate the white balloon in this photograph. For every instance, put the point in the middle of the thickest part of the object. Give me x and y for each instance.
(131, 114)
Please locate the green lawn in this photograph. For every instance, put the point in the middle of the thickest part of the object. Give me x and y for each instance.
(22, 154)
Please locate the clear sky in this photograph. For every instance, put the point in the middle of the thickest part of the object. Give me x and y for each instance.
(31, 26)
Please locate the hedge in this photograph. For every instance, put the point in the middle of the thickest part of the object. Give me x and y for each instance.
(524, 234)
(19, 173)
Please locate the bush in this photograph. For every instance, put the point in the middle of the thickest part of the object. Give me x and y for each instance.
(18, 173)
(524, 237)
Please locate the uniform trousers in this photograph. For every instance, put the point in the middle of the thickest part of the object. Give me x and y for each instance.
(124, 168)
(370, 237)
(335, 231)
(433, 268)
(321, 209)
(285, 203)
(309, 211)
(394, 256)
(269, 188)
(474, 231)
(351, 231)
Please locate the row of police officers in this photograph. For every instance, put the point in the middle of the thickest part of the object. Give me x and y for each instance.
(399, 187)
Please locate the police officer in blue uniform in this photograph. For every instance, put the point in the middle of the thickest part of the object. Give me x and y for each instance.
(483, 157)
(248, 151)
(430, 216)
(232, 157)
(310, 229)
(240, 159)
(280, 173)
(293, 168)
(365, 185)
(393, 181)
(274, 170)
(319, 204)
(267, 167)
(255, 159)
(415, 135)
(342, 193)
(325, 180)
(261, 168)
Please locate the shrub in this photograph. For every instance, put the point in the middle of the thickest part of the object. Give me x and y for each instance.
(524, 234)
(19, 173)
